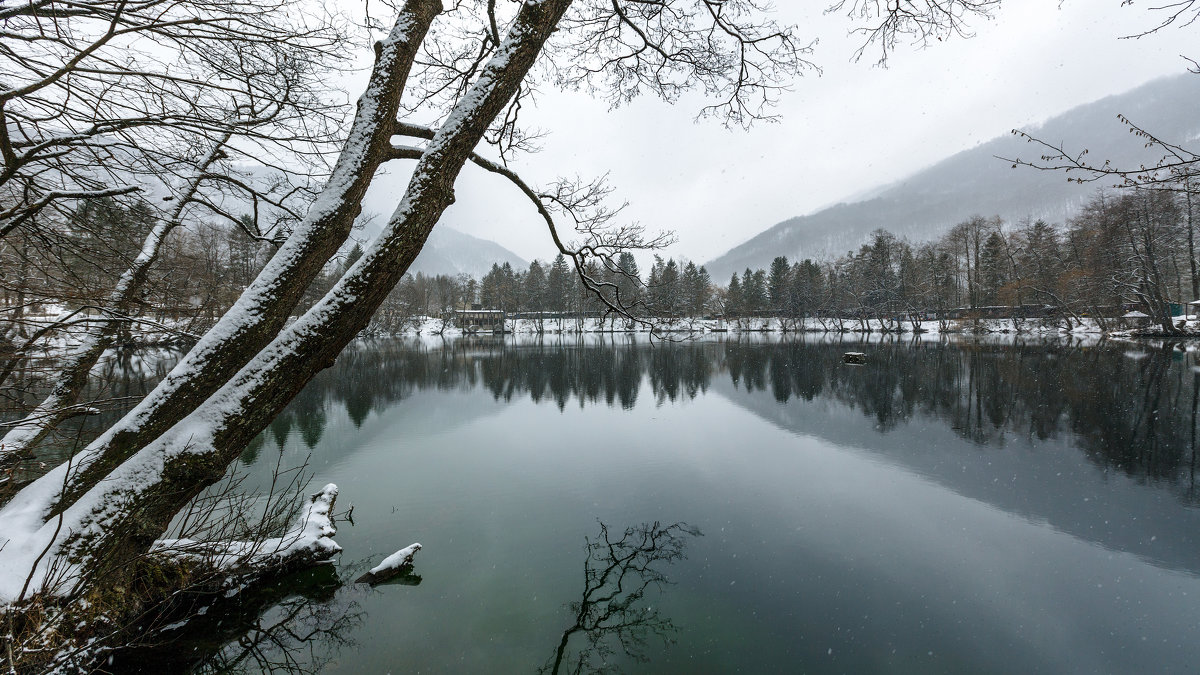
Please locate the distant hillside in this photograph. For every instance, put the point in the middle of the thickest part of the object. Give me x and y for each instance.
(927, 203)
(449, 251)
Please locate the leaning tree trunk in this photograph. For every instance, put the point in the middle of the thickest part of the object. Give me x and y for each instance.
(67, 384)
(118, 519)
(266, 304)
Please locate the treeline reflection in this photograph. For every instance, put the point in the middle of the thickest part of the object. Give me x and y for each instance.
(117, 383)
(1131, 409)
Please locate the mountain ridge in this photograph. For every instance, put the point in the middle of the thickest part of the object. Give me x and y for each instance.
(449, 251)
(927, 202)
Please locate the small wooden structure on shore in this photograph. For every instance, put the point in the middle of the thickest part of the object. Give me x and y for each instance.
(1136, 319)
(476, 320)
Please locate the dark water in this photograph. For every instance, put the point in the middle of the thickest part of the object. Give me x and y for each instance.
(959, 508)
(117, 383)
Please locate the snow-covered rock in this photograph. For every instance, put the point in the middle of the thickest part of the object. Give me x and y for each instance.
(391, 566)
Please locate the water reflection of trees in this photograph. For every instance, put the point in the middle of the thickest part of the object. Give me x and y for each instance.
(613, 611)
(117, 383)
(296, 624)
(1129, 412)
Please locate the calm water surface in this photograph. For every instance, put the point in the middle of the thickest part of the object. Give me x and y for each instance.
(962, 507)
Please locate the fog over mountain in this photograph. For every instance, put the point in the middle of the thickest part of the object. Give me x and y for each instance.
(449, 251)
(975, 182)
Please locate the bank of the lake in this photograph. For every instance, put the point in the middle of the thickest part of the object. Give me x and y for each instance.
(1081, 328)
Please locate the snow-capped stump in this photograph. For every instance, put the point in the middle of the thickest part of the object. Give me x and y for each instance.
(393, 565)
(857, 358)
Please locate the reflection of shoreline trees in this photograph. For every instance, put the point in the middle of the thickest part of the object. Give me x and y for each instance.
(118, 381)
(1130, 412)
(612, 610)
(378, 374)
(293, 625)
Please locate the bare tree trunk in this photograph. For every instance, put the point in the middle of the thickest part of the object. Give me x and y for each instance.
(265, 305)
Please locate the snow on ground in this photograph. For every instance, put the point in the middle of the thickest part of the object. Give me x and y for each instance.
(431, 326)
(74, 331)
(63, 343)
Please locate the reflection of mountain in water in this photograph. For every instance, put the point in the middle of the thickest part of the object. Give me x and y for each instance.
(1059, 427)
(1131, 415)
(1044, 430)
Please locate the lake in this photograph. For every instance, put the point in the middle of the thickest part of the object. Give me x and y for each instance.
(751, 505)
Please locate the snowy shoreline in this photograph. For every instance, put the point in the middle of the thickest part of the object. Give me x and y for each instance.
(431, 326)
(161, 337)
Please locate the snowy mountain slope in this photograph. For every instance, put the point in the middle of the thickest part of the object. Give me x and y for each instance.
(927, 203)
(449, 251)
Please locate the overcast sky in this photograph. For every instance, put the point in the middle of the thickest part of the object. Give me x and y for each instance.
(854, 127)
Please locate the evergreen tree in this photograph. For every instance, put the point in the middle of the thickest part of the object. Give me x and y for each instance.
(804, 290)
(1040, 260)
(654, 286)
(351, 257)
(993, 264)
(695, 290)
(754, 291)
(559, 285)
(534, 295)
(670, 289)
(703, 291)
(777, 285)
(510, 288)
(628, 281)
(490, 288)
(103, 239)
(734, 301)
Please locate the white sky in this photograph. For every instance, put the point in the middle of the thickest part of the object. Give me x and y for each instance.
(852, 128)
